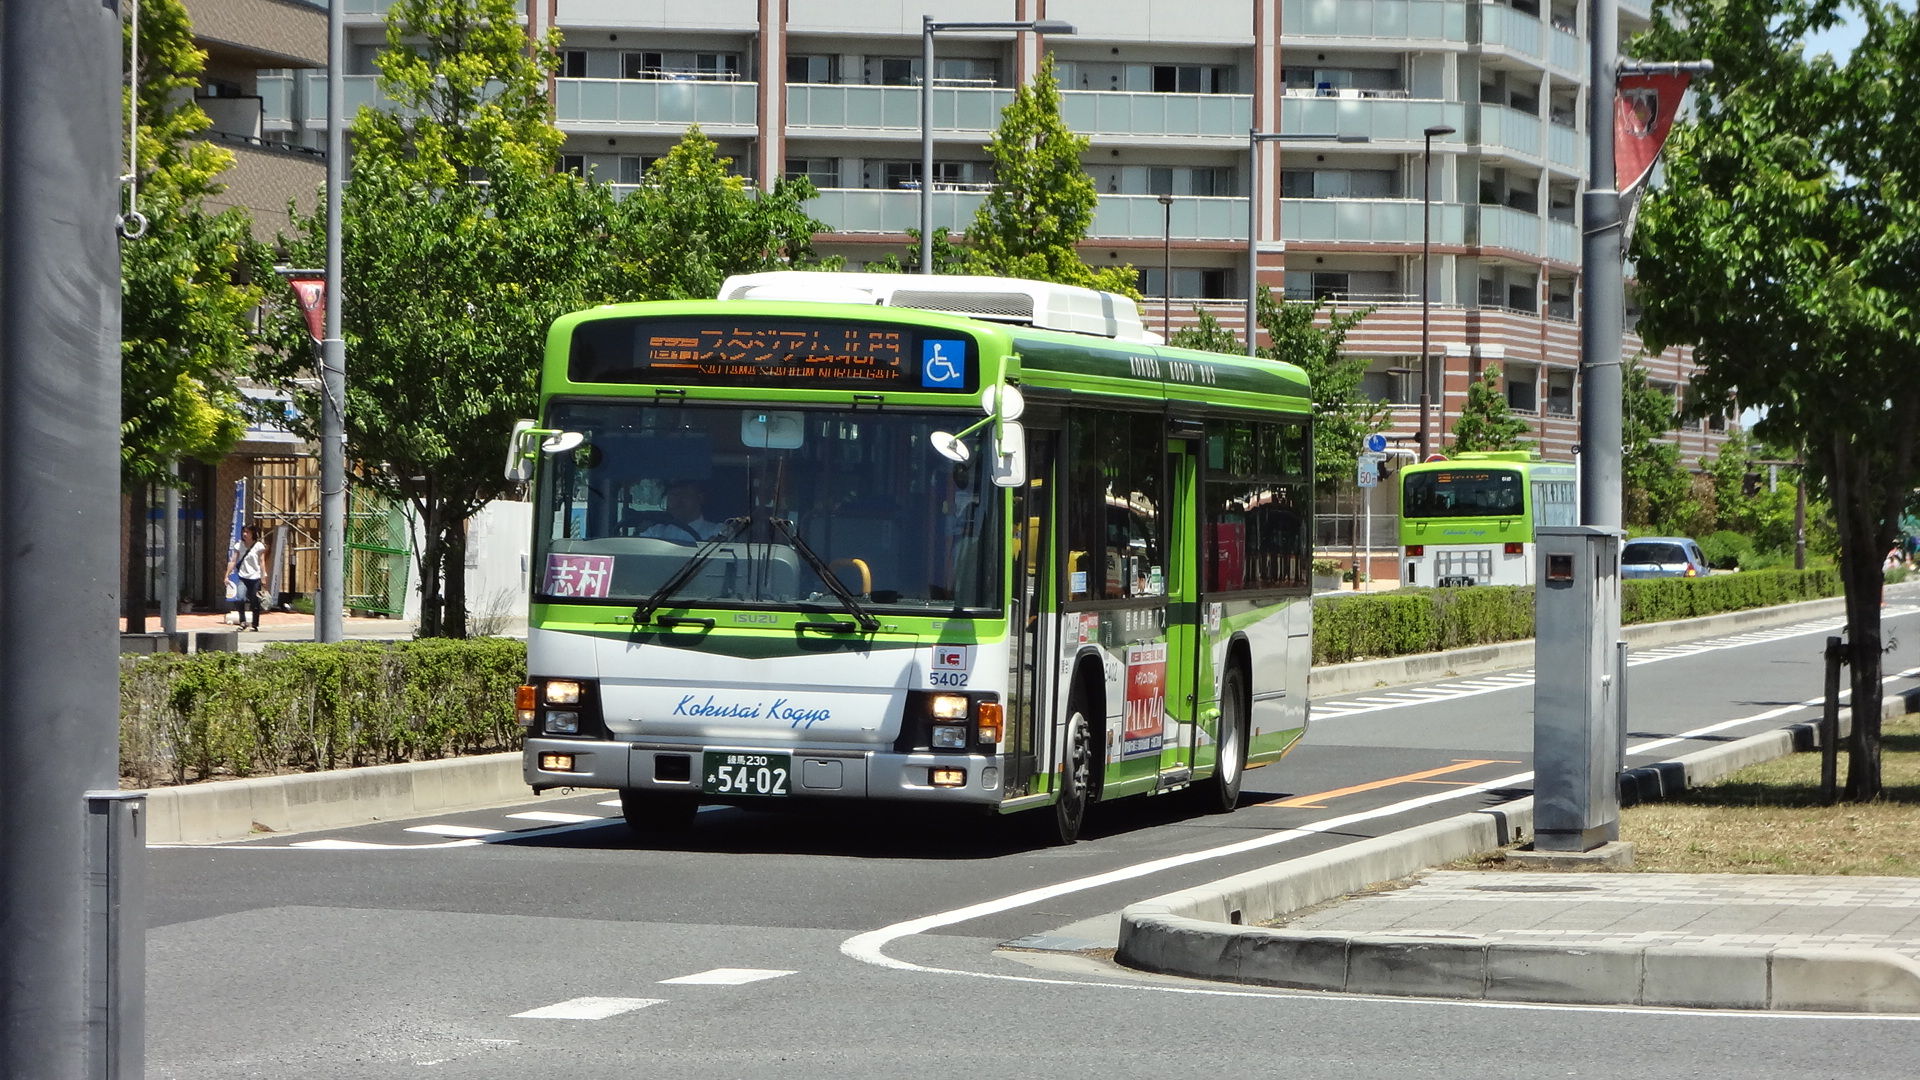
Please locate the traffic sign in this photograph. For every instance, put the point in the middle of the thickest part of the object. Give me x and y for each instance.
(1376, 442)
(1368, 473)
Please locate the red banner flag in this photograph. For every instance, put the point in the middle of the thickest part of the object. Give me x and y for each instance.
(313, 300)
(1643, 111)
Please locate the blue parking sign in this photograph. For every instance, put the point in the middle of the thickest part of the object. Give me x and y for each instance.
(943, 364)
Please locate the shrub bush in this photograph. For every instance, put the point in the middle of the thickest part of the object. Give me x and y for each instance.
(311, 707)
(1367, 626)
(1726, 550)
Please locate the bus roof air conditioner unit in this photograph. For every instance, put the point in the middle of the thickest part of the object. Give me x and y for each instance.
(1041, 304)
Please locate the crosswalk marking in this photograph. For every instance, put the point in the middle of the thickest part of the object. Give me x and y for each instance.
(587, 1008)
(363, 845)
(555, 817)
(726, 977)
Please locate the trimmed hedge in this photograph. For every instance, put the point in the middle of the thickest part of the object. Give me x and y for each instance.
(310, 707)
(1368, 626)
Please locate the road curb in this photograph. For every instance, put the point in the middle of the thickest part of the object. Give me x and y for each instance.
(238, 809)
(1206, 932)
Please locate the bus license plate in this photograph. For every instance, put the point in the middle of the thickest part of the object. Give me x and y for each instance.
(1455, 581)
(730, 772)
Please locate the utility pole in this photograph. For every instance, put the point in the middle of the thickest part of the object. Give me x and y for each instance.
(332, 600)
(72, 848)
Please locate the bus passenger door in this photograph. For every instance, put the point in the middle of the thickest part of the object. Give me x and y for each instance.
(1033, 629)
(1187, 689)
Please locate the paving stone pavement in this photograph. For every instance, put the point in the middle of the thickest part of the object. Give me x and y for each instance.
(1730, 911)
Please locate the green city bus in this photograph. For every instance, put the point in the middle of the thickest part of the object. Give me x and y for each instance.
(1468, 519)
(939, 541)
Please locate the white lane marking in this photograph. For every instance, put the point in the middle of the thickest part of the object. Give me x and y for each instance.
(587, 1008)
(726, 977)
(440, 829)
(361, 845)
(869, 947)
(556, 817)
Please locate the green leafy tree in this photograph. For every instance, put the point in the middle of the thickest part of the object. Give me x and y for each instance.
(1783, 247)
(691, 223)
(1657, 489)
(1042, 201)
(1207, 335)
(1487, 422)
(460, 245)
(186, 286)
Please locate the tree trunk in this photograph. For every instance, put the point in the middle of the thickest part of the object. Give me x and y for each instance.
(1864, 537)
(430, 562)
(454, 548)
(133, 602)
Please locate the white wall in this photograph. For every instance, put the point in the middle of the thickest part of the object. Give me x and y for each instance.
(497, 559)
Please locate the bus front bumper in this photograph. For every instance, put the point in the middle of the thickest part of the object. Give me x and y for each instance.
(831, 774)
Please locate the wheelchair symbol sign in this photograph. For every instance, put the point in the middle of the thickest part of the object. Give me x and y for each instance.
(943, 364)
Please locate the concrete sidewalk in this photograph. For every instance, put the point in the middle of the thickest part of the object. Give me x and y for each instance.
(287, 626)
(1372, 918)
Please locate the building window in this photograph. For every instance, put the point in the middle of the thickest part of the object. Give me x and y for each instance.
(1189, 282)
(573, 63)
(822, 172)
(1523, 391)
(1192, 79)
(1559, 392)
(574, 163)
(899, 71)
(813, 69)
(679, 65)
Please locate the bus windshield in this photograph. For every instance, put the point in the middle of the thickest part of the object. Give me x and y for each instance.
(762, 501)
(1445, 493)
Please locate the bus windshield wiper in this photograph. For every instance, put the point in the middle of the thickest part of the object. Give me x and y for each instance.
(729, 530)
(860, 614)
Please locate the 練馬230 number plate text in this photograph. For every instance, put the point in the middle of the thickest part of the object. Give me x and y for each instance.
(727, 772)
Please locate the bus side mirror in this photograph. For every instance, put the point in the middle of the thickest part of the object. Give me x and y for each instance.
(527, 441)
(1010, 456)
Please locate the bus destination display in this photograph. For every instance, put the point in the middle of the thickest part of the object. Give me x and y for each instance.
(791, 354)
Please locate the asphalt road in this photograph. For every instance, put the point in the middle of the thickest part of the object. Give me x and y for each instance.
(859, 943)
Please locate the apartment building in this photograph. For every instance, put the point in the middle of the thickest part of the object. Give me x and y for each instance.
(1168, 91)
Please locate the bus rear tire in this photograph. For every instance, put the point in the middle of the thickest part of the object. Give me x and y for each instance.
(1076, 778)
(1220, 793)
(657, 813)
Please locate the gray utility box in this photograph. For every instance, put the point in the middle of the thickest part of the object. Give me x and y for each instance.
(1578, 693)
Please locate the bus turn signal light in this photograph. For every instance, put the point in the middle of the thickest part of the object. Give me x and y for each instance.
(990, 721)
(1416, 550)
(1516, 549)
(523, 704)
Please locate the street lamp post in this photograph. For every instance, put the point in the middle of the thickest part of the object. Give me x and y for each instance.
(1166, 267)
(928, 28)
(1426, 276)
(1254, 139)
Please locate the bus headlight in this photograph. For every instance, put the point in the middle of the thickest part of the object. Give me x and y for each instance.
(949, 737)
(561, 722)
(563, 692)
(950, 706)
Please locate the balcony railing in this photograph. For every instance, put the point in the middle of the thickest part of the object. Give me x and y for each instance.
(1113, 113)
(604, 104)
(1425, 20)
(817, 108)
(1514, 31)
(882, 210)
(1510, 129)
(1141, 217)
(1369, 221)
(1530, 234)
(1383, 119)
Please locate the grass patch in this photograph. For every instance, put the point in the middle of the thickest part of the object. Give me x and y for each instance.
(1767, 819)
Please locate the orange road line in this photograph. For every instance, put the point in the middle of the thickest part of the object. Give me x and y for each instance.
(1312, 802)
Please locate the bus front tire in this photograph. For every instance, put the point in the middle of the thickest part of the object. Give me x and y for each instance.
(1076, 778)
(1220, 793)
(657, 813)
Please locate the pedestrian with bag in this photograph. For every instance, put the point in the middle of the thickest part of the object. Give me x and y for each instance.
(248, 565)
